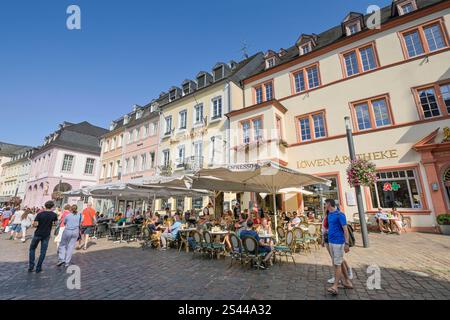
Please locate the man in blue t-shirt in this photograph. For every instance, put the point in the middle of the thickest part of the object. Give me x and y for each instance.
(262, 246)
(338, 239)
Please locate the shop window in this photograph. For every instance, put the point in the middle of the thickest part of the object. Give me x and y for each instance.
(399, 189)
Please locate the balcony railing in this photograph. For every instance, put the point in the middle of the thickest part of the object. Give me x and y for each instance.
(190, 163)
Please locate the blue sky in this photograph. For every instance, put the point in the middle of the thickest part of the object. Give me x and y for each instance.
(129, 51)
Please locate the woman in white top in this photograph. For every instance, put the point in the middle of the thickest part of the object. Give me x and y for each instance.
(26, 222)
(15, 224)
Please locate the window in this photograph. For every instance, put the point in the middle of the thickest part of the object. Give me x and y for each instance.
(201, 81)
(445, 93)
(373, 113)
(218, 73)
(136, 134)
(279, 128)
(429, 103)
(113, 143)
(270, 63)
(360, 60)
(312, 126)
(246, 131)
(103, 173)
(146, 130)
(312, 81)
(353, 28)
(143, 162)
(126, 169)
(67, 163)
(406, 8)
(183, 119)
(153, 128)
(264, 92)
(117, 169)
(134, 165)
(110, 170)
(152, 160)
(172, 95)
(119, 143)
(217, 108)
(181, 154)
(257, 129)
(168, 125)
(186, 88)
(89, 167)
(166, 158)
(424, 39)
(198, 115)
(306, 48)
(198, 153)
(400, 189)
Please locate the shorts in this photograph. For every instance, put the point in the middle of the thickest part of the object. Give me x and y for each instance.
(16, 228)
(337, 253)
(5, 223)
(89, 230)
(264, 249)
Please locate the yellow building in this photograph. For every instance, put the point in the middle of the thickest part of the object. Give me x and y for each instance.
(394, 84)
(194, 131)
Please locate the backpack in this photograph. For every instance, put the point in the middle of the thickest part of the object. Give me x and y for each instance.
(351, 236)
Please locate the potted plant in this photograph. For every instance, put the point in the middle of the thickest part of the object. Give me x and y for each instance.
(361, 173)
(443, 221)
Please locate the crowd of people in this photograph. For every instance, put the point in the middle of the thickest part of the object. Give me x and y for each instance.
(74, 226)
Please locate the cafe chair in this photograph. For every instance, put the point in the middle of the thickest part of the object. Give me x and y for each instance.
(251, 253)
(299, 240)
(183, 241)
(286, 250)
(281, 234)
(198, 245)
(236, 248)
(313, 236)
(212, 247)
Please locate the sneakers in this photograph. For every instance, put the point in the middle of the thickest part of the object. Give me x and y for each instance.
(30, 270)
(350, 273)
(23, 240)
(60, 263)
(330, 281)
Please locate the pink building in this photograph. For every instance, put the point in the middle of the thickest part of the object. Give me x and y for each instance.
(140, 147)
(68, 159)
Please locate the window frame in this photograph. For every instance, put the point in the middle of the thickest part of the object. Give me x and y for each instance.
(262, 85)
(251, 128)
(213, 115)
(305, 69)
(436, 86)
(180, 122)
(402, 4)
(420, 28)
(166, 131)
(86, 166)
(372, 118)
(360, 65)
(310, 116)
(194, 118)
(72, 164)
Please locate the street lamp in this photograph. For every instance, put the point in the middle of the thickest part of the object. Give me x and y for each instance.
(359, 200)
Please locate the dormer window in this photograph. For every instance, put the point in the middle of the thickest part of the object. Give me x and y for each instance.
(126, 119)
(353, 28)
(306, 48)
(270, 63)
(218, 73)
(172, 95)
(186, 88)
(139, 114)
(353, 23)
(406, 6)
(201, 81)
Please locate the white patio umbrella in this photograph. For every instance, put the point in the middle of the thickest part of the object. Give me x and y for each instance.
(263, 177)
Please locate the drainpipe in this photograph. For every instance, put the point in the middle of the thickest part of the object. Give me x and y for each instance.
(227, 122)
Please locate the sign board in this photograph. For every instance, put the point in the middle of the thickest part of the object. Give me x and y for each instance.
(350, 197)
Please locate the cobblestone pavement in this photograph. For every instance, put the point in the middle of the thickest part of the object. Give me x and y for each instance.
(413, 266)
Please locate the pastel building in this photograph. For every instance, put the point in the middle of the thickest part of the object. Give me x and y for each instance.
(394, 84)
(194, 131)
(68, 159)
(14, 169)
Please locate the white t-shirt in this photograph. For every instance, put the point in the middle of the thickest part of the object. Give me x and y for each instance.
(17, 217)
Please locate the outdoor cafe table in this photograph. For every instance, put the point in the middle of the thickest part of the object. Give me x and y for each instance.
(121, 229)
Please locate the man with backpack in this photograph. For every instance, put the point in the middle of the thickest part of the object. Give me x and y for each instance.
(338, 239)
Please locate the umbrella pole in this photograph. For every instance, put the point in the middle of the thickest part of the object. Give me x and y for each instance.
(275, 215)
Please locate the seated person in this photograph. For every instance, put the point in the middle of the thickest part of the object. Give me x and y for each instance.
(311, 216)
(256, 218)
(263, 247)
(397, 222)
(101, 218)
(121, 220)
(295, 222)
(171, 233)
(382, 220)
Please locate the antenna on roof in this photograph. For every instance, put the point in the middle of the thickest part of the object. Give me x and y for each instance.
(244, 49)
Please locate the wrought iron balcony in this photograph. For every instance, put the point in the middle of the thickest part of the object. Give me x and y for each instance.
(190, 163)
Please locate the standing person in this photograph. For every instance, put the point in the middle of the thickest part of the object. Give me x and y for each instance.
(338, 241)
(27, 221)
(16, 224)
(129, 214)
(61, 225)
(6, 216)
(72, 225)
(237, 211)
(44, 222)
(87, 226)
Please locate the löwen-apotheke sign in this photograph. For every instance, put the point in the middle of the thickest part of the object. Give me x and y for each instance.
(342, 160)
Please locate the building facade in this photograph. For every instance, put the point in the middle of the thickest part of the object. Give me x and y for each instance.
(14, 169)
(394, 84)
(194, 131)
(68, 159)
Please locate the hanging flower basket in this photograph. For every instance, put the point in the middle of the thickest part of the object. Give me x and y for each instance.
(361, 173)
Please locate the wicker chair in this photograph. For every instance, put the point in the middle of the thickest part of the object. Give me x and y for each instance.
(313, 236)
(281, 234)
(236, 248)
(211, 247)
(251, 252)
(198, 246)
(300, 241)
(286, 250)
(183, 241)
